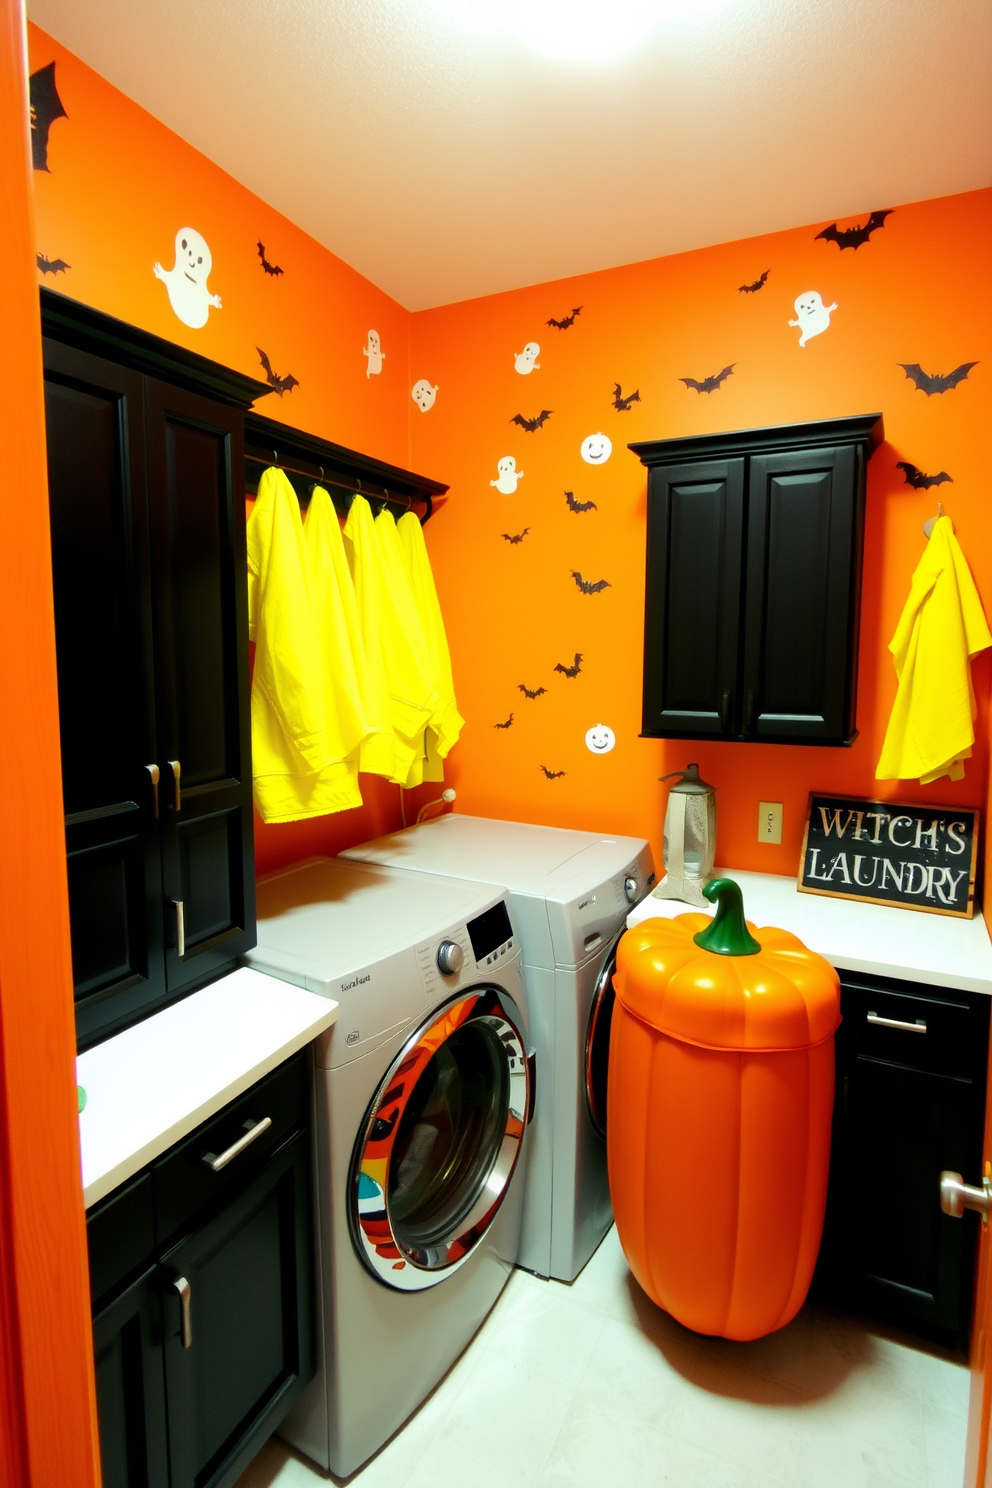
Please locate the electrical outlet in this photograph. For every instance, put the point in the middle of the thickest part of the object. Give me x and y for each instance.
(769, 821)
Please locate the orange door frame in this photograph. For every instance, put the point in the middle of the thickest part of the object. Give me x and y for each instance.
(48, 1436)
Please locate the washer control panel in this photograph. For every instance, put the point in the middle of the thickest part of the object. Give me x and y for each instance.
(465, 952)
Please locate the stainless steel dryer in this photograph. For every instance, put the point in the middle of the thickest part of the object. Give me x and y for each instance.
(570, 893)
(423, 1095)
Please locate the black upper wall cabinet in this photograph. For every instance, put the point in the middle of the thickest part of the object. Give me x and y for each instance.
(754, 546)
(145, 454)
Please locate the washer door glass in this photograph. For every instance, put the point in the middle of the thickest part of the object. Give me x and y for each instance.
(598, 1042)
(440, 1142)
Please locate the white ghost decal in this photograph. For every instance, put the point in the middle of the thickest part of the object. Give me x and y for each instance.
(596, 449)
(423, 394)
(600, 739)
(814, 315)
(526, 361)
(507, 475)
(187, 281)
(375, 354)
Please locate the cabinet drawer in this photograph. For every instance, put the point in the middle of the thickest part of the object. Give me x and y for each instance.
(184, 1181)
(120, 1235)
(916, 1027)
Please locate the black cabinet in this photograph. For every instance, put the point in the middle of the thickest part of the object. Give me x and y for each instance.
(148, 555)
(203, 1293)
(911, 1073)
(754, 545)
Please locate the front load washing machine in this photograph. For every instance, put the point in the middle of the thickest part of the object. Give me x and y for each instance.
(423, 1094)
(570, 893)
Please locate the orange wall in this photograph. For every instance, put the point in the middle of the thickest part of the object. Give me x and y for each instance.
(119, 187)
(908, 295)
(121, 184)
(47, 1413)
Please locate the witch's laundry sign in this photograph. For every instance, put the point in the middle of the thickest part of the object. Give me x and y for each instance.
(916, 857)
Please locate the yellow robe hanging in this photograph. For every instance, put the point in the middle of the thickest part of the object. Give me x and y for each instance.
(344, 672)
(447, 723)
(394, 647)
(288, 726)
(931, 728)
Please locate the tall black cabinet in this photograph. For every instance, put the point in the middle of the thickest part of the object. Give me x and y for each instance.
(145, 452)
(753, 582)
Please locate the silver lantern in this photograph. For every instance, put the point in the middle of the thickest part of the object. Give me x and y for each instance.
(689, 847)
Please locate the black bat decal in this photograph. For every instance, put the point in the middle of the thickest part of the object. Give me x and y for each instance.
(52, 265)
(931, 383)
(853, 237)
(563, 325)
(579, 506)
(531, 424)
(552, 774)
(531, 693)
(919, 481)
(622, 404)
(268, 268)
(573, 670)
(46, 107)
(281, 384)
(753, 288)
(515, 537)
(709, 384)
(588, 588)
(505, 725)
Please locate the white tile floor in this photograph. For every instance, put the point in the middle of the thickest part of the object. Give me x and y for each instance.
(591, 1386)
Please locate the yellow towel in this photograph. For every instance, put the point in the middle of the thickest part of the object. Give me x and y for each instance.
(344, 671)
(931, 729)
(288, 723)
(447, 722)
(394, 647)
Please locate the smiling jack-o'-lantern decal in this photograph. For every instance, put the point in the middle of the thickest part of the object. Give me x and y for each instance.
(596, 449)
(600, 739)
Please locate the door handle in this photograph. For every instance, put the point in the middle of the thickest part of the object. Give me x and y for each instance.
(177, 795)
(918, 1027)
(155, 775)
(181, 1287)
(956, 1196)
(255, 1129)
(180, 928)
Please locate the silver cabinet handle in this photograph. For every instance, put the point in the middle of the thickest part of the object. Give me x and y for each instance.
(918, 1027)
(956, 1196)
(255, 1129)
(177, 795)
(155, 774)
(181, 1287)
(180, 928)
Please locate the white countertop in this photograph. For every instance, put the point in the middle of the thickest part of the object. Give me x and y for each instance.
(903, 943)
(151, 1085)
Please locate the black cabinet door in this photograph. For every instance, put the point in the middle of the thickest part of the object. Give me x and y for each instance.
(692, 604)
(130, 1388)
(910, 1103)
(804, 529)
(201, 669)
(96, 474)
(249, 1344)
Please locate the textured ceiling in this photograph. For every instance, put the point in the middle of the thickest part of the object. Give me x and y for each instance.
(445, 161)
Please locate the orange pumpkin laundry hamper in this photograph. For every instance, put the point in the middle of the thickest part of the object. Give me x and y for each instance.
(721, 1087)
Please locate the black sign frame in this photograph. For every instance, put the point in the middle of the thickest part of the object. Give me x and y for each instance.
(936, 839)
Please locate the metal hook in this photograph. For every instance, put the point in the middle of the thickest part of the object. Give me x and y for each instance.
(931, 522)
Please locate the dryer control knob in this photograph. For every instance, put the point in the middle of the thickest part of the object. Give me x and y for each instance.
(630, 889)
(449, 958)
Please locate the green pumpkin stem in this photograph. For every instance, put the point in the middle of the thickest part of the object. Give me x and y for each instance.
(726, 934)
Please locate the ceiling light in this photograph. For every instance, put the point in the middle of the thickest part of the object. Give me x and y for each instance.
(572, 30)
